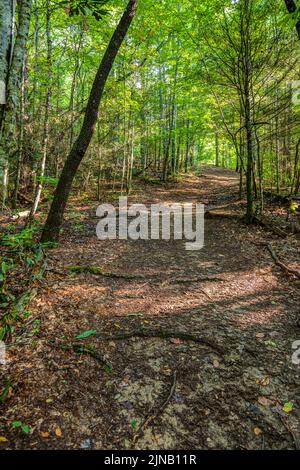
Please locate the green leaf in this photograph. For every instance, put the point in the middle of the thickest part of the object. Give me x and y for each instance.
(108, 368)
(288, 407)
(16, 424)
(271, 344)
(86, 334)
(134, 423)
(26, 429)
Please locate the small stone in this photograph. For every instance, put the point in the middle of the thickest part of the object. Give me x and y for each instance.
(86, 444)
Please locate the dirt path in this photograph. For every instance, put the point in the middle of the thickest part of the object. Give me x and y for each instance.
(226, 391)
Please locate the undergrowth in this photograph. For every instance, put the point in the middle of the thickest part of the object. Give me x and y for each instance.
(22, 264)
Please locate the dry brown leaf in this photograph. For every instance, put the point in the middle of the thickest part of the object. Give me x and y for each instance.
(260, 335)
(257, 431)
(176, 341)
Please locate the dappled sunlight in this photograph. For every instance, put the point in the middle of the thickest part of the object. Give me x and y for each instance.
(149, 227)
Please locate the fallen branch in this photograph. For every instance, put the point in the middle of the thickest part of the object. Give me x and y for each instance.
(194, 279)
(279, 263)
(99, 272)
(164, 335)
(82, 349)
(158, 411)
(21, 215)
(220, 213)
(272, 228)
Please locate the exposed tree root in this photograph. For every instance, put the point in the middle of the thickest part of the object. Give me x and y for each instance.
(283, 266)
(220, 214)
(164, 335)
(272, 228)
(99, 272)
(194, 279)
(82, 349)
(158, 411)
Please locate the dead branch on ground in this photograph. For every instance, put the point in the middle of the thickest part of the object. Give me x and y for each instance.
(279, 263)
(158, 411)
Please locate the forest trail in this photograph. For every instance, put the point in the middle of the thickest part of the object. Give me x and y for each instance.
(226, 391)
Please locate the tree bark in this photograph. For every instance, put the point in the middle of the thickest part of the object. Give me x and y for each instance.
(247, 108)
(39, 186)
(55, 217)
(6, 41)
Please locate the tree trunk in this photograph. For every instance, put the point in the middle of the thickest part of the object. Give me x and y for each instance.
(217, 148)
(39, 187)
(7, 11)
(8, 120)
(292, 8)
(21, 141)
(247, 104)
(55, 217)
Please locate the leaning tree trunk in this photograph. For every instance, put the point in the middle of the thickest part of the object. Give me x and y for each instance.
(78, 151)
(8, 121)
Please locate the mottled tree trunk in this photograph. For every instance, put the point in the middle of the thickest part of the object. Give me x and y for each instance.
(247, 107)
(14, 79)
(7, 8)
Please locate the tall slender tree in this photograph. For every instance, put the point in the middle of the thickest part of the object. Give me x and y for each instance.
(14, 79)
(78, 151)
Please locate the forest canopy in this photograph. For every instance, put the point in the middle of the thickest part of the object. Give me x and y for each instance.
(193, 82)
(149, 227)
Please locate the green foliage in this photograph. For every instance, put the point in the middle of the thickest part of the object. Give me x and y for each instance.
(86, 334)
(47, 180)
(294, 208)
(24, 427)
(5, 391)
(22, 240)
(85, 7)
(26, 255)
(150, 180)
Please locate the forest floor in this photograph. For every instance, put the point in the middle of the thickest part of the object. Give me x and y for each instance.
(200, 342)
